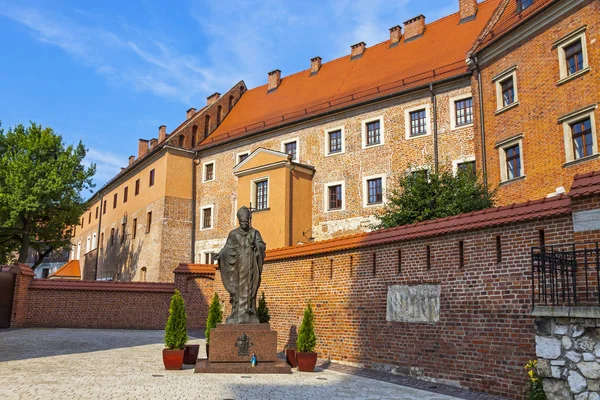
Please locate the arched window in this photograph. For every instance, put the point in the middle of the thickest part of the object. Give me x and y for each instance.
(219, 111)
(181, 140)
(194, 133)
(143, 274)
(206, 126)
(230, 103)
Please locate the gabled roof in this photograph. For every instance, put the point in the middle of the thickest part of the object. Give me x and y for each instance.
(505, 18)
(381, 71)
(70, 270)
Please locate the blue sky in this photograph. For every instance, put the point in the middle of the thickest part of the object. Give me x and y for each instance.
(109, 72)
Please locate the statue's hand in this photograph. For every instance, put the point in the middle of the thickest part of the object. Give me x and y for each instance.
(216, 256)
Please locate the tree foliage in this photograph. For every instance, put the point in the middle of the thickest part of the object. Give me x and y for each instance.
(262, 311)
(307, 340)
(176, 330)
(40, 183)
(215, 316)
(420, 196)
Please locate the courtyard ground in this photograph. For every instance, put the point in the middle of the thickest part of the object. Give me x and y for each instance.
(105, 364)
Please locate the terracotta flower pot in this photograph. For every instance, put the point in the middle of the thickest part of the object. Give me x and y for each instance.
(306, 361)
(290, 355)
(190, 355)
(173, 359)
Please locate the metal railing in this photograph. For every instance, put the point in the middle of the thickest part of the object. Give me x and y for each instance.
(565, 275)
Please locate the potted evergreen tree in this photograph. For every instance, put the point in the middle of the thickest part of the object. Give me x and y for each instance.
(306, 342)
(262, 311)
(175, 333)
(215, 316)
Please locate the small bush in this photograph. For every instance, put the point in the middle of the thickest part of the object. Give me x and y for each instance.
(176, 330)
(262, 310)
(306, 334)
(215, 316)
(536, 390)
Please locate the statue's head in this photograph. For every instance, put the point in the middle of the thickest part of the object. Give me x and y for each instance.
(244, 216)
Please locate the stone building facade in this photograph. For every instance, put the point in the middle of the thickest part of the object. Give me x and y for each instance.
(540, 85)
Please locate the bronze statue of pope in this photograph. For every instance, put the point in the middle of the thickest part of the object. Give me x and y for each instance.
(241, 264)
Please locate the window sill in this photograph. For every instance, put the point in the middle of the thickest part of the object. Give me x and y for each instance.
(458, 127)
(370, 146)
(581, 160)
(211, 180)
(508, 107)
(573, 76)
(373, 205)
(508, 182)
(206, 229)
(337, 153)
(410, 137)
(334, 210)
(261, 210)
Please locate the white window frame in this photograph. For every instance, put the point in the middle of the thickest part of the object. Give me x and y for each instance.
(363, 125)
(78, 250)
(452, 109)
(327, 132)
(204, 164)
(427, 108)
(205, 252)
(284, 142)
(366, 190)
(566, 122)
(497, 80)
(238, 155)
(253, 192)
(326, 196)
(502, 146)
(94, 241)
(88, 244)
(566, 41)
(212, 216)
(420, 168)
(462, 160)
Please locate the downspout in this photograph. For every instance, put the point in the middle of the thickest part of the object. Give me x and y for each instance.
(98, 238)
(194, 188)
(474, 62)
(435, 129)
(291, 205)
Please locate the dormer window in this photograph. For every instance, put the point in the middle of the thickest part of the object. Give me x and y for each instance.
(523, 4)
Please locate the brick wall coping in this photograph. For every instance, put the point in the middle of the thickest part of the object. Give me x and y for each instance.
(21, 269)
(544, 208)
(102, 286)
(585, 184)
(566, 311)
(195, 269)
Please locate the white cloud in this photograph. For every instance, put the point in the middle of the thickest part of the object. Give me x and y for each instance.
(107, 164)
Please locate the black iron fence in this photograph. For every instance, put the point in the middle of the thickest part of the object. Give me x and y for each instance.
(565, 275)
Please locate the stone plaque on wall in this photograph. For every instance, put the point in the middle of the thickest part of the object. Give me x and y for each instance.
(413, 303)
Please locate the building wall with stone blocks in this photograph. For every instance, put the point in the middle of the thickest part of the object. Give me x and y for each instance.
(543, 97)
(568, 352)
(397, 154)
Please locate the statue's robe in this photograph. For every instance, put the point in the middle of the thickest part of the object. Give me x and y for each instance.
(241, 263)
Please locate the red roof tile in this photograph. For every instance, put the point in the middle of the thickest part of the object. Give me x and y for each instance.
(585, 184)
(437, 55)
(102, 286)
(196, 269)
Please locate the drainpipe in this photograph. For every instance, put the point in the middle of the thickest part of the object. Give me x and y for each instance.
(473, 63)
(98, 238)
(435, 128)
(195, 162)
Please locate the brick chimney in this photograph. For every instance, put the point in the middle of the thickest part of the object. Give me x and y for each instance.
(395, 35)
(162, 133)
(315, 65)
(357, 50)
(468, 10)
(414, 27)
(153, 143)
(212, 98)
(190, 112)
(142, 148)
(274, 80)
(131, 159)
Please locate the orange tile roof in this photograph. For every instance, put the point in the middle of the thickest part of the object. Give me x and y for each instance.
(437, 55)
(70, 270)
(506, 18)
(195, 268)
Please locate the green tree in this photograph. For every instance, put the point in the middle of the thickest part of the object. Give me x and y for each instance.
(420, 196)
(215, 316)
(176, 330)
(40, 183)
(307, 340)
(262, 311)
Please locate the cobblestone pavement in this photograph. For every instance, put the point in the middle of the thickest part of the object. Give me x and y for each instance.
(106, 364)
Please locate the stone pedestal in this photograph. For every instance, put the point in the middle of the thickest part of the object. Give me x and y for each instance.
(232, 345)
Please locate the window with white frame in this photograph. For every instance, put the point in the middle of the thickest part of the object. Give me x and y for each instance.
(334, 141)
(88, 244)
(290, 147)
(507, 95)
(208, 171)
(261, 193)
(208, 256)
(242, 156)
(374, 190)
(94, 241)
(461, 111)
(206, 217)
(572, 55)
(579, 130)
(466, 166)
(372, 132)
(417, 122)
(523, 4)
(511, 158)
(334, 196)
(420, 173)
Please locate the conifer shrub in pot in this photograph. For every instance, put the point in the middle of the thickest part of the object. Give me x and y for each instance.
(215, 316)
(175, 333)
(306, 342)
